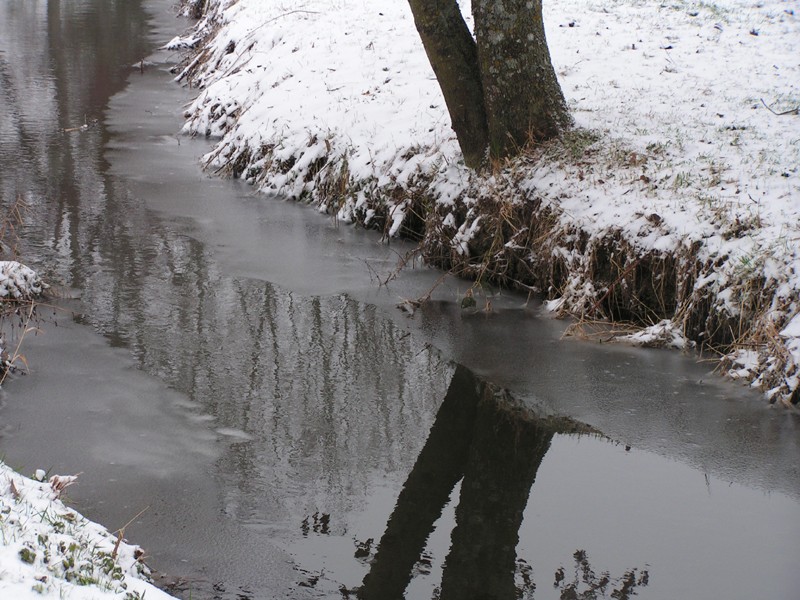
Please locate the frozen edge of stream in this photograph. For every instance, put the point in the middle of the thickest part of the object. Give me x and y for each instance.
(601, 223)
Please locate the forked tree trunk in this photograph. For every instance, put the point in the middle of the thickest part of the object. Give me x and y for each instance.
(453, 55)
(502, 91)
(522, 97)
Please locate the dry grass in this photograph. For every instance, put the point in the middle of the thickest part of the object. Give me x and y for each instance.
(18, 316)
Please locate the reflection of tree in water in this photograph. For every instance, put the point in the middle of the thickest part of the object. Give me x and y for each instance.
(494, 446)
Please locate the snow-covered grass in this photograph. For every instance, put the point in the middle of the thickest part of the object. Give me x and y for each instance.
(48, 550)
(18, 282)
(674, 203)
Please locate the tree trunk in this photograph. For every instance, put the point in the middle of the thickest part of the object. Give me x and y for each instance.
(453, 55)
(523, 100)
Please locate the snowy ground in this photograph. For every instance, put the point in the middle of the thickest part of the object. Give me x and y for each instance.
(50, 551)
(688, 141)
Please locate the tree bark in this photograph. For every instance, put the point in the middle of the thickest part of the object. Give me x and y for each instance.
(523, 100)
(453, 55)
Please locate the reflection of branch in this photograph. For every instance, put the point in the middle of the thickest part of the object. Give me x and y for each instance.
(586, 584)
(9, 362)
(10, 223)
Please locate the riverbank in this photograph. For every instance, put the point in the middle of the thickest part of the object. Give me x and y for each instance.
(50, 551)
(668, 216)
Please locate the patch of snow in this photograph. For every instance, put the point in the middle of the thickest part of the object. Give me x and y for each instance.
(792, 330)
(48, 550)
(397, 215)
(662, 334)
(744, 363)
(18, 281)
(182, 42)
(554, 305)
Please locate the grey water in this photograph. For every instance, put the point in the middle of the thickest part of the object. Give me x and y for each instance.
(227, 365)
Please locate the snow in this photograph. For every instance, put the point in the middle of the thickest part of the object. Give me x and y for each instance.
(50, 551)
(19, 282)
(663, 333)
(689, 109)
(792, 330)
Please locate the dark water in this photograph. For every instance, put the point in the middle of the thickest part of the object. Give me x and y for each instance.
(234, 369)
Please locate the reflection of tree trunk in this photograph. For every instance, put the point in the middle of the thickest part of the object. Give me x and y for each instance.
(438, 468)
(62, 184)
(507, 448)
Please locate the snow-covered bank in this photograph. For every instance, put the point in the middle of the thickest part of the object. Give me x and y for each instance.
(50, 551)
(675, 202)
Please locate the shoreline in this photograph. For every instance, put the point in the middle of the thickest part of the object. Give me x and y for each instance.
(668, 216)
(50, 550)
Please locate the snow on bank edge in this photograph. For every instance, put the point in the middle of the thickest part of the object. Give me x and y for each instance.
(691, 147)
(50, 551)
(18, 284)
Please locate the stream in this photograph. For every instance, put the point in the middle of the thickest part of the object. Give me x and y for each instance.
(240, 391)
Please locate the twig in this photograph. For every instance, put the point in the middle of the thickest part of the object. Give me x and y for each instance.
(190, 66)
(14, 491)
(372, 272)
(121, 532)
(286, 14)
(401, 263)
(791, 111)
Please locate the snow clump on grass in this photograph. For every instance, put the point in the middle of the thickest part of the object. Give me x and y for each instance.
(18, 282)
